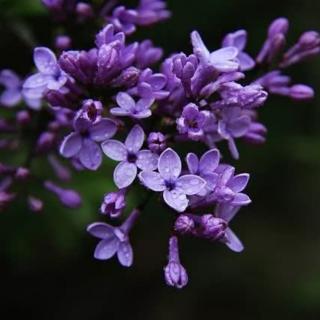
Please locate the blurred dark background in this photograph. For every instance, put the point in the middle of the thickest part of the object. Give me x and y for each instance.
(46, 266)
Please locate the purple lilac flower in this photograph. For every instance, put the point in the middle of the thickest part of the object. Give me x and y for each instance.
(192, 121)
(152, 11)
(147, 54)
(113, 203)
(128, 107)
(114, 240)
(11, 96)
(184, 224)
(205, 168)
(223, 60)
(238, 40)
(175, 274)
(82, 142)
(48, 77)
(175, 188)
(130, 156)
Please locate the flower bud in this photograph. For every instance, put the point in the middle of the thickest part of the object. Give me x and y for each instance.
(22, 173)
(301, 92)
(113, 203)
(280, 25)
(63, 42)
(35, 204)
(156, 142)
(213, 228)
(184, 224)
(23, 117)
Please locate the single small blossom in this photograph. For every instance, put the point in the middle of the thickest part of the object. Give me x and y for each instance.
(130, 156)
(175, 274)
(82, 142)
(157, 142)
(223, 60)
(175, 188)
(48, 77)
(113, 203)
(184, 224)
(238, 40)
(128, 107)
(192, 121)
(114, 240)
(205, 168)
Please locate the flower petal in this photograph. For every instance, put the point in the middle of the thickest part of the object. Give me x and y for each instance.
(209, 161)
(119, 112)
(106, 248)
(124, 174)
(241, 199)
(90, 155)
(37, 80)
(104, 129)
(10, 97)
(9, 79)
(199, 47)
(169, 164)
(115, 150)
(45, 61)
(176, 200)
(125, 254)
(125, 101)
(233, 241)
(192, 163)
(152, 180)
(144, 104)
(239, 182)
(71, 145)
(147, 161)
(226, 211)
(190, 184)
(135, 139)
(245, 61)
(100, 230)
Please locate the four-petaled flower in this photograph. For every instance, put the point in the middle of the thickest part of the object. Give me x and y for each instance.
(114, 240)
(175, 188)
(82, 143)
(48, 77)
(129, 108)
(131, 157)
(223, 60)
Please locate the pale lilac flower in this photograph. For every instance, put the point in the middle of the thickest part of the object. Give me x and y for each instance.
(82, 142)
(114, 240)
(238, 40)
(48, 77)
(175, 188)
(223, 60)
(113, 203)
(11, 95)
(191, 122)
(175, 274)
(205, 168)
(130, 156)
(128, 107)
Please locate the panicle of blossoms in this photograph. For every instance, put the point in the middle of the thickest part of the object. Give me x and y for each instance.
(110, 100)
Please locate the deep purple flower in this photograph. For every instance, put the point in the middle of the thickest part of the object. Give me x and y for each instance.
(82, 143)
(238, 40)
(175, 188)
(11, 95)
(130, 156)
(128, 107)
(192, 121)
(113, 203)
(205, 168)
(223, 60)
(175, 274)
(114, 240)
(48, 77)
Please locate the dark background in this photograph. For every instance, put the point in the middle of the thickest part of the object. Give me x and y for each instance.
(46, 266)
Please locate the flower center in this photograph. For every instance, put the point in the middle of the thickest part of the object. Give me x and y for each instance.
(170, 185)
(132, 157)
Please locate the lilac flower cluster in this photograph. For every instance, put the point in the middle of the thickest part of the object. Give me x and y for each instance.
(108, 101)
